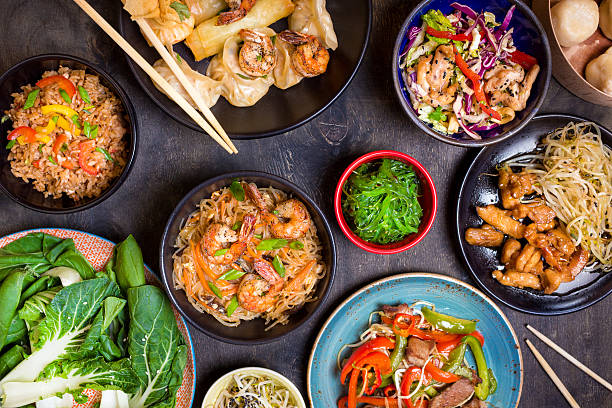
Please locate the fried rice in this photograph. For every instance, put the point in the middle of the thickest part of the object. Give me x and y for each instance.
(68, 168)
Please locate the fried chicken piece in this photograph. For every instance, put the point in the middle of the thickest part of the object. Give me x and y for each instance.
(486, 236)
(551, 279)
(501, 220)
(510, 251)
(513, 186)
(528, 259)
(518, 279)
(578, 261)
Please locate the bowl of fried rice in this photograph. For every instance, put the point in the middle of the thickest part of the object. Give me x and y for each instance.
(69, 132)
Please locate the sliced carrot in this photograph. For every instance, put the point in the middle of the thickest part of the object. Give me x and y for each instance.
(299, 278)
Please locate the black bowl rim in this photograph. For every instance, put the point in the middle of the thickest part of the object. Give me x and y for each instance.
(247, 136)
(129, 110)
(239, 174)
(523, 8)
(459, 237)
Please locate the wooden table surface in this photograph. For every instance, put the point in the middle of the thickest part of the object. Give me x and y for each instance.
(173, 159)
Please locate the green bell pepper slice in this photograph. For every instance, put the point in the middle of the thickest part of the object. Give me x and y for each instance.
(449, 324)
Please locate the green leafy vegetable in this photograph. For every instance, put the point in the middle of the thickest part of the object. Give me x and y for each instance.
(272, 244)
(31, 99)
(11, 358)
(215, 290)
(33, 309)
(65, 96)
(296, 245)
(105, 153)
(437, 115)
(129, 265)
(237, 190)
(181, 9)
(232, 306)
(381, 200)
(84, 94)
(278, 266)
(438, 21)
(231, 275)
(17, 332)
(10, 293)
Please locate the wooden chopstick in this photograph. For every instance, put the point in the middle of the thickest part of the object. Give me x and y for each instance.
(552, 375)
(570, 358)
(180, 75)
(155, 76)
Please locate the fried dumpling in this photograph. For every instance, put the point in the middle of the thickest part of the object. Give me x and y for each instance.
(142, 8)
(208, 88)
(311, 17)
(171, 26)
(238, 88)
(205, 9)
(284, 74)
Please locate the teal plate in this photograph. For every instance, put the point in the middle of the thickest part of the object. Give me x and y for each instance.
(450, 296)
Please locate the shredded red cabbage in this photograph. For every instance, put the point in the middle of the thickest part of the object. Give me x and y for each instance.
(412, 35)
(476, 128)
(489, 35)
(504, 26)
(471, 28)
(464, 9)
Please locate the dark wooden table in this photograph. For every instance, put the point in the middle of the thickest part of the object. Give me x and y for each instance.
(172, 159)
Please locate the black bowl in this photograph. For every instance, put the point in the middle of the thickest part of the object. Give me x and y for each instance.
(249, 332)
(28, 72)
(280, 110)
(529, 37)
(478, 188)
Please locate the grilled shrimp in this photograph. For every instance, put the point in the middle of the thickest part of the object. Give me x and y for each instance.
(310, 57)
(238, 10)
(220, 237)
(258, 55)
(258, 292)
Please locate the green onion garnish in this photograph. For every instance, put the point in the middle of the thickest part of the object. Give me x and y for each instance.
(31, 99)
(10, 144)
(84, 94)
(75, 120)
(50, 158)
(178, 57)
(40, 146)
(237, 225)
(232, 306)
(94, 132)
(181, 9)
(101, 150)
(65, 96)
(243, 76)
(215, 290)
(271, 244)
(55, 119)
(258, 236)
(237, 190)
(278, 266)
(4, 119)
(65, 147)
(220, 252)
(231, 275)
(296, 245)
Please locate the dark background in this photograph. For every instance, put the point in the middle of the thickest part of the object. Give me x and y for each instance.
(173, 159)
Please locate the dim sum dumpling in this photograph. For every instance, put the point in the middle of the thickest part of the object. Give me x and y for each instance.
(599, 72)
(141, 8)
(311, 17)
(205, 9)
(208, 88)
(574, 21)
(238, 88)
(170, 27)
(605, 18)
(284, 74)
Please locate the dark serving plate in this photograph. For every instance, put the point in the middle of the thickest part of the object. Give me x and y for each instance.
(529, 36)
(249, 332)
(280, 110)
(480, 188)
(28, 72)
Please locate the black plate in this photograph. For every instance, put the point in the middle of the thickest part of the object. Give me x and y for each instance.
(478, 188)
(280, 110)
(249, 332)
(28, 72)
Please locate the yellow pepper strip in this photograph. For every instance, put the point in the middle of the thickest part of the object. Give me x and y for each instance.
(21, 140)
(64, 110)
(67, 125)
(44, 139)
(46, 130)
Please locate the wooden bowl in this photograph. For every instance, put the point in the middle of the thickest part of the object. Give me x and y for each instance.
(569, 63)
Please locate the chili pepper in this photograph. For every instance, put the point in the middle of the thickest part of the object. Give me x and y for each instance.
(374, 401)
(67, 164)
(410, 329)
(440, 375)
(524, 60)
(29, 134)
(369, 389)
(63, 82)
(59, 141)
(36, 163)
(404, 330)
(449, 324)
(389, 390)
(482, 390)
(85, 150)
(420, 403)
(362, 351)
(62, 109)
(476, 85)
(447, 34)
(44, 139)
(411, 375)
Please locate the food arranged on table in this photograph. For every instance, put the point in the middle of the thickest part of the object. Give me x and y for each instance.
(556, 207)
(463, 72)
(72, 335)
(248, 252)
(417, 358)
(68, 134)
(248, 55)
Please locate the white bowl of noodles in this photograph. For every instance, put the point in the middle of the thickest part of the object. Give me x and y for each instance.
(268, 387)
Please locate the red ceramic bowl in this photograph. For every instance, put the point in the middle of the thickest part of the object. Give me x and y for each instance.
(428, 202)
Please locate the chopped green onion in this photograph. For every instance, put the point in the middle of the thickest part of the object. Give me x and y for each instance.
(296, 245)
(181, 9)
(271, 244)
(237, 225)
(31, 99)
(278, 266)
(437, 115)
(94, 132)
(264, 76)
(231, 275)
(243, 76)
(84, 94)
(65, 96)
(10, 144)
(273, 38)
(259, 58)
(215, 290)
(258, 236)
(232, 306)
(178, 58)
(220, 252)
(86, 111)
(237, 190)
(101, 150)
(50, 158)
(75, 120)
(40, 146)
(55, 119)
(65, 147)
(4, 119)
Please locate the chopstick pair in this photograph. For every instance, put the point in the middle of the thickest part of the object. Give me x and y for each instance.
(553, 376)
(221, 137)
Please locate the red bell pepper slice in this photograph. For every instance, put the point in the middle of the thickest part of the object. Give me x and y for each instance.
(448, 346)
(374, 401)
(369, 389)
(85, 151)
(36, 163)
(524, 60)
(352, 391)
(362, 351)
(411, 375)
(67, 164)
(440, 375)
(59, 141)
(29, 134)
(63, 82)
(409, 329)
(448, 35)
(420, 403)
(389, 390)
